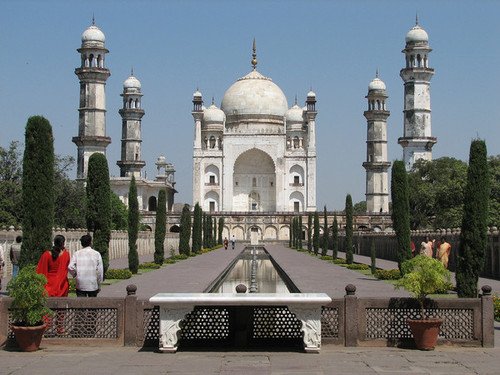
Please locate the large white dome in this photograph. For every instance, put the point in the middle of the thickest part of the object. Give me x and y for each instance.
(376, 84)
(254, 94)
(417, 35)
(132, 83)
(213, 114)
(295, 114)
(93, 34)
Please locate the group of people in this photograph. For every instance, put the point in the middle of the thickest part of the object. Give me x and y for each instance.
(443, 249)
(14, 256)
(226, 242)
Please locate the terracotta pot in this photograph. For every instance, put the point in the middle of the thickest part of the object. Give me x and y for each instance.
(425, 332)
(28, 338)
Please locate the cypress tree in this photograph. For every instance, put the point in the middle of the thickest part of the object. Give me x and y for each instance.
(473, 236)
(197, 230)
(185, 233)
(335, 238)
(348, 229)
(324, 243)
(204, 225)
(37, 190)
(209, 231)
(214, 238)
(373, 257)
(300, 232)
(309, 231)
(99, 205)
(290, 234)
(221, 228)
(316, 233)
(161, 227)
(401, 210)
(133, 227)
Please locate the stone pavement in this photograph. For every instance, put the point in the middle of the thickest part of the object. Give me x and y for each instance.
(332, 360)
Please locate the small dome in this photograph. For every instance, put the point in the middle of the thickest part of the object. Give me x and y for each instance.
(376, 84)
(311, 94)
(197, 94)
(161, 159)
(294, 114)
(93, 34)
(213, 114)
(132, 83)
(417, 35)
(254, 94)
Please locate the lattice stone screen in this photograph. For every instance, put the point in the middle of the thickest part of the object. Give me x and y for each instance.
(274, 323)
(389, 323)
(206, 324)
(329, 322)
(75, 323)
(151, 326)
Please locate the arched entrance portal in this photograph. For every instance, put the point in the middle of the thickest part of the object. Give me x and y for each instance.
(254, 182)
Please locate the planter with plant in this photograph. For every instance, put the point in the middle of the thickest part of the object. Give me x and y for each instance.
(28, 308)
(422, 276)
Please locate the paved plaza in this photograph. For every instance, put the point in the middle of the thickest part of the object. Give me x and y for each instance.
(309, 274)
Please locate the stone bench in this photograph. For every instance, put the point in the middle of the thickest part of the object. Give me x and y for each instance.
(175, 306)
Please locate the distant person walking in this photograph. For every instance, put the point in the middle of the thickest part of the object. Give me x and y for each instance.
(54, 265)
(226, 243)
(86, 266)
(15, 255)
(233, 241)
(426, 247)
(443, 252)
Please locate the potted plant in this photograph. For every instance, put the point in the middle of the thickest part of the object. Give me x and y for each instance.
(28, 308)
(422, 276)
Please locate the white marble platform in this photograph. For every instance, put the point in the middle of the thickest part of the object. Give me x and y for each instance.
(175, 306)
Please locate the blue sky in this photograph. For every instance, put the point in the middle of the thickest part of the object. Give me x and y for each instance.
(334, 47)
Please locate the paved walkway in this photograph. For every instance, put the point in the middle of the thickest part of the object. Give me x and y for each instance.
(332, 360)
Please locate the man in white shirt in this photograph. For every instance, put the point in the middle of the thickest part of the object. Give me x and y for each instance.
(86, 266)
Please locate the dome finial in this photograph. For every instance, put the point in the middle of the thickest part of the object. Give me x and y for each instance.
(254, 55)
(295, 99)
(416, 18)
(376, 73)
(93, 19)
(132, 71)
(213, 100)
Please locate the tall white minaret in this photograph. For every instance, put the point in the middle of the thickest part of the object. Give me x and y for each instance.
(130, 163)
(92, 74)
(417, 139)
(376, 164)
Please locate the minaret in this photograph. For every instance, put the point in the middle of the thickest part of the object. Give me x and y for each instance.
(130, 163)
(417, 140)
(92, 111)
(376, 164)
(310, 116)
(197, 113)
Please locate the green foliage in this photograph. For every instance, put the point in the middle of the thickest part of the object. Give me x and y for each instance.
(401, 210)
(119, 213)
(373, 257)
(133, 227)
(494, 205)
(29, 297)
(435, 193)
(324, 242)
(388, 274)
(10, 185)
(496, 306)
(473, 236)
(185, 233)
(422, 276)
(37, 190)
(180, 256)
(205, 229)
(357, 266)
(150, 265)
(309, 231)
(348, 229)
(326, 257)
(339, 261)
(197, 229)
(299, 225)
(335, 237)
(221, 228)
(160, 227)
(118, 274)
(169, 261)
(360, 208)
(99, 205)
(316, 233)
(290, 234)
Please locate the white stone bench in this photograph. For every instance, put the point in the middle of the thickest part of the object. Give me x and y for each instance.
(175, 306)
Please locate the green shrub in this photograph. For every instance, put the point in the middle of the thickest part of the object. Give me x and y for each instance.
(149, 265)
(120, 274)
(496, 305)
(339, 261)
(326, 257)
(357, 266)
(169, 261)
(72, 285)
(191, 254)
(181, 256)
(388, 274)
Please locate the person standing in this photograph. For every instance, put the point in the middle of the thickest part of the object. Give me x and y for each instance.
(233, 241)
(86, 266)
(54, 265)
(443, 252)
(226, 242)
(15, 255)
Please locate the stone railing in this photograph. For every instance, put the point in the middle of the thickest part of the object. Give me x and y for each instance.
(118, 246)
(348, 321)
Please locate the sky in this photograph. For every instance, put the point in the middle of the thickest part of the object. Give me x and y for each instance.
(333, 47)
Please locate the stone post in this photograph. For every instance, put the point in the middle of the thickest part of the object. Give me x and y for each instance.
(130, 318)
(487, 318)
(351, 316)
